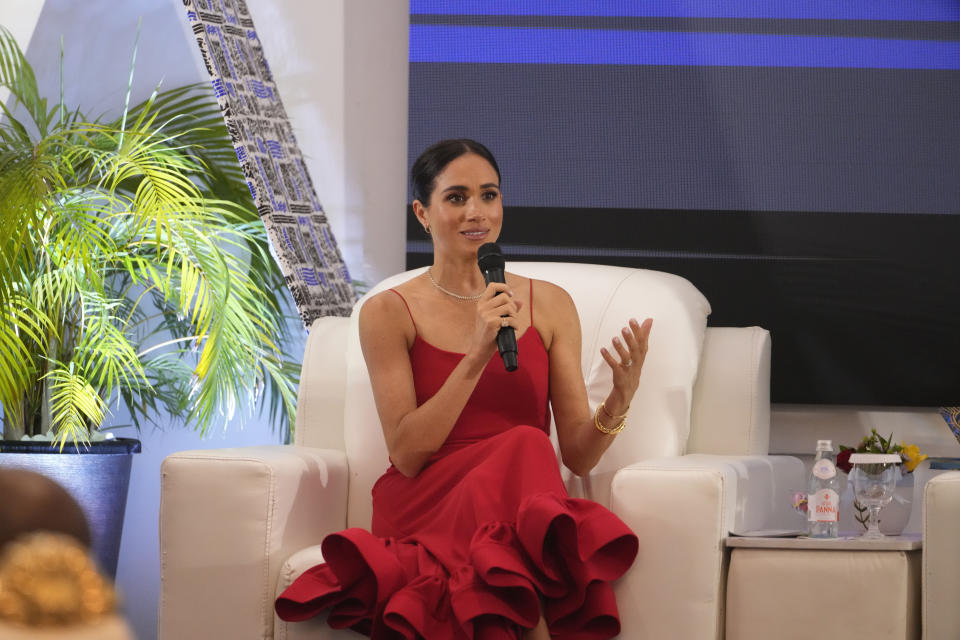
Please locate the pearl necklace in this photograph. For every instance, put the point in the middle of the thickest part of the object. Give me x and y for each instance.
(451, 293)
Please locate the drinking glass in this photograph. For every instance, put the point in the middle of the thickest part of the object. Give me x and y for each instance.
(874, 477)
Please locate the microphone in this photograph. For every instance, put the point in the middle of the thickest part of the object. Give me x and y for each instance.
(491, 264)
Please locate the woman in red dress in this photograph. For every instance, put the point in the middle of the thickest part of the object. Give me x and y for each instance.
(473, 534)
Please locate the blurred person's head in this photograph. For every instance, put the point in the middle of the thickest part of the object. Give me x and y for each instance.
(31, 502)
(49, 581)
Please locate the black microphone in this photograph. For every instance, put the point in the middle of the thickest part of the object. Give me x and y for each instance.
(491, 265)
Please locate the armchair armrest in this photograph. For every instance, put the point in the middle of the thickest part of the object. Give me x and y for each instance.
(730, 413)
(682, 510)
(941, 556)
(228, 520)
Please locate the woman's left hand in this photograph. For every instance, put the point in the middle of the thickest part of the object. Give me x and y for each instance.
(631, 351)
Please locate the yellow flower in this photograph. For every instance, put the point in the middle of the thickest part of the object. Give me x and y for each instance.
(912, 453)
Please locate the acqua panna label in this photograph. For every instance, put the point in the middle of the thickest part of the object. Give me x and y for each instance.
(824, 506)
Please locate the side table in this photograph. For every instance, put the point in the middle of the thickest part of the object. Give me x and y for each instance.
(801, 588)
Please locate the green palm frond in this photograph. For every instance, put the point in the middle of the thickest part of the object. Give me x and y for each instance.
(169, 377)
(28, 177)
(17, 76)
(23, 331)
(106, 357)
(82, 230)
(281, 391)
(192, 114)
(57, 292)
(75, 405)
(133, 267)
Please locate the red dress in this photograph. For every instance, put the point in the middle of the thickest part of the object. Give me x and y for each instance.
(471, 546)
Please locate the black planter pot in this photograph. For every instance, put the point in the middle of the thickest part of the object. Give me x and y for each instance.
(96, 476)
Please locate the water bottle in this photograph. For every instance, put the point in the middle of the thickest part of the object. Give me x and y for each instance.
(823, 497)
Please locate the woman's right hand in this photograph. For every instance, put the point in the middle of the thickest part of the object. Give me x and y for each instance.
(496, 308)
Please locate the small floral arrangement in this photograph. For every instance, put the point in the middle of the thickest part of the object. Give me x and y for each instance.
(875, 443)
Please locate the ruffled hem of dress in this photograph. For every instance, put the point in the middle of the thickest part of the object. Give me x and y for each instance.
(561, 551)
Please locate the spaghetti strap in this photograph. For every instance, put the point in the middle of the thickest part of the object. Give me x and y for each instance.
(408, 309)
(531, 302)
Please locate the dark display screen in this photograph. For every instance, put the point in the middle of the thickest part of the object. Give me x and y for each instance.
(799, 164)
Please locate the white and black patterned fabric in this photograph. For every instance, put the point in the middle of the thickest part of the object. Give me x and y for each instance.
(267, 150)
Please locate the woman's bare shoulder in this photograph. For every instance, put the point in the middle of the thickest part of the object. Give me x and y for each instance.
(540, 287)
(385, 311)
(385, 301)
(553, 311)
(393, 300)
(552, 296)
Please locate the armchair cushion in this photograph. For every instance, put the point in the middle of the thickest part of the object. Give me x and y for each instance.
(314, 628)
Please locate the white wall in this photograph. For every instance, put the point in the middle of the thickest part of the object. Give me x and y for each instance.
(20, 18)
(351, 131)
(341, 70)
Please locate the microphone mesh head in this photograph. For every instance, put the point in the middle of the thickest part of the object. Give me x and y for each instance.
(489, 257)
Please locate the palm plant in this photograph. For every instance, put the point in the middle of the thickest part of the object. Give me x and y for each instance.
(133, 268)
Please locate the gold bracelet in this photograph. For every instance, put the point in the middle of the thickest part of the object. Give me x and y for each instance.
(608, 430)
(603, 407)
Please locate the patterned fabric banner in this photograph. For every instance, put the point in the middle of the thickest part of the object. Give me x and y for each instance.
(271, 160)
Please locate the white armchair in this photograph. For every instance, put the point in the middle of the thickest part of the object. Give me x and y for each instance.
(237, 525)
